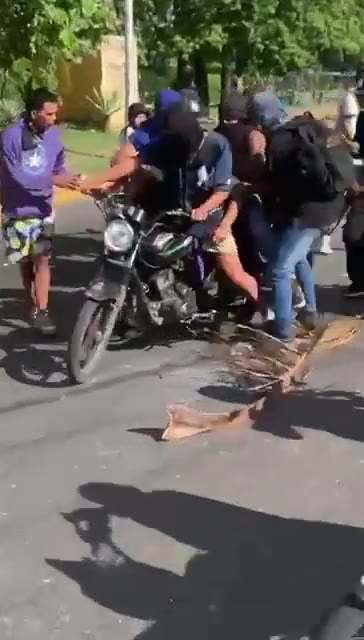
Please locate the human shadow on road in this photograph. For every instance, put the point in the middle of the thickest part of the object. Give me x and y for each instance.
(340, 413)
(252, 575)
(37, 361)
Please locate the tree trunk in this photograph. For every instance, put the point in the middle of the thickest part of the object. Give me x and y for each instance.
(180, 67)
(119, 10)
(225, 78)
(202, 80)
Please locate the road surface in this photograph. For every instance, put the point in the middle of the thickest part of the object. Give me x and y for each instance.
(107, 534)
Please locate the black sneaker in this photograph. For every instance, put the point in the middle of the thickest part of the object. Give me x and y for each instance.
(354, 291)
(246, 312)
(43, 324)
(308, 319)
(223, 325)
(271, 328)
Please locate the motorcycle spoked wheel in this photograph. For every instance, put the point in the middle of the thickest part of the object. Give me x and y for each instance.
(90, 337)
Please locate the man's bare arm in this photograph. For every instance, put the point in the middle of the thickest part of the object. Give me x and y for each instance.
(125, 163)
(213, 202)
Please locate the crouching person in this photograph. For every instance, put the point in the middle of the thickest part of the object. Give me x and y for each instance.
(228, 259)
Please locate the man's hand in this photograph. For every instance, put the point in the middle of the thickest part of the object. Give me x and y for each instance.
(87, 187)
(199, 215)
(67, 181)
(222, 232)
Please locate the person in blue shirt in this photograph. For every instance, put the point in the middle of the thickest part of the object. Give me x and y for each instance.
(151, 128)
(197, 176)
(137, 115)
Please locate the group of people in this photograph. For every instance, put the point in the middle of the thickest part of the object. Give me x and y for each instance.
(261, 189)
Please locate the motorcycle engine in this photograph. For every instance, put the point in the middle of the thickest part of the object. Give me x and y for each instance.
(171, 301)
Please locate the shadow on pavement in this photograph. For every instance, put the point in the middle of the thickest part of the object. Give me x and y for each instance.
(39, 362)
(331, 300)
(36, 361)
(42, 363)
(340, 413)
(253, 575)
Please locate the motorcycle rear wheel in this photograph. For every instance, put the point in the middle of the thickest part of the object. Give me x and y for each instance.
(90, 337)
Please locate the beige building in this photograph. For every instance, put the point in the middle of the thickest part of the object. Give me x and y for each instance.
(92, 90)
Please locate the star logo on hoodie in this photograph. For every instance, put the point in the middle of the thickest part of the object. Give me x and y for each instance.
(34, 161)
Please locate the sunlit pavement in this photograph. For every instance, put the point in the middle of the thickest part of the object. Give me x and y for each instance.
(108, 534)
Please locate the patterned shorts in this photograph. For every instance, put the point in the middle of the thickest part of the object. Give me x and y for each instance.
(24, 237)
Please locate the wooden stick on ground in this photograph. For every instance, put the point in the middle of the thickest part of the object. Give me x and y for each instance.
(185, 422)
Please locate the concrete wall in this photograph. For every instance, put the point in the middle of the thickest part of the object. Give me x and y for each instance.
(103, 73)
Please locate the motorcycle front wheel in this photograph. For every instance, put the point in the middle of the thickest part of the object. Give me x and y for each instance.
(90, 337)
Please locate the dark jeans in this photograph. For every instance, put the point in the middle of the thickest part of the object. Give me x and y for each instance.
(247, 247)
(355, 263)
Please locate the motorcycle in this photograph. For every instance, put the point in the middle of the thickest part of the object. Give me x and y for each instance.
(152, 273)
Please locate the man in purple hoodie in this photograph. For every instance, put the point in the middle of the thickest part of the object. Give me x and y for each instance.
(32, 164)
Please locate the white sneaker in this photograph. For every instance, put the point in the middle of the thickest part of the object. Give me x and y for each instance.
(268, 315)
(325, 246)
(298, 299)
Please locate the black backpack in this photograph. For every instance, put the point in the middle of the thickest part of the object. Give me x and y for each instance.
(308, 162)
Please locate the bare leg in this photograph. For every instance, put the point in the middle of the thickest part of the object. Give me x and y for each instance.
(233, 269)
(42, 281)
(28, 280)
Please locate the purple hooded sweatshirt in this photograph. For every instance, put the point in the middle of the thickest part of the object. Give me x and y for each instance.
(28, 164)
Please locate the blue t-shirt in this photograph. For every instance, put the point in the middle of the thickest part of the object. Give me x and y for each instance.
(148, 132)
(151, 128)
(189, 186)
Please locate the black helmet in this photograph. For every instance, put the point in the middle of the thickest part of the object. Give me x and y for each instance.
(234, 107)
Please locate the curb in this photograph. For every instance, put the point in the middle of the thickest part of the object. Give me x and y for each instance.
(63, 196)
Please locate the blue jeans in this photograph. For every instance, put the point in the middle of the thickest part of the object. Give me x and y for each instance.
(295, 243)
(286, 251)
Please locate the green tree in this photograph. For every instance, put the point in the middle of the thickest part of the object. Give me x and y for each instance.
(263, 36)
(35, 33)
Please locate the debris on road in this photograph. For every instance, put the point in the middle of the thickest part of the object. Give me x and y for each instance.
(260, 363)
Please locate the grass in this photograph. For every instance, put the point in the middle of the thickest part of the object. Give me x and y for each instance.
(88, 151)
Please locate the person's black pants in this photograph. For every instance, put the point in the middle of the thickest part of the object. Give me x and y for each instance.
(353, 236)
(355, 263)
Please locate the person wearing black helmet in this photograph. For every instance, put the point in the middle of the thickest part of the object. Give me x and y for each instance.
(137, 114)
(205, 162)
(188, 90)
(197, 177)
(248, 152)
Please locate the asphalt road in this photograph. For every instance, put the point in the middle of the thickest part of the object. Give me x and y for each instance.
(106, 534)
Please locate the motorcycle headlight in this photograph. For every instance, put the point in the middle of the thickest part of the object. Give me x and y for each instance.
(118, 236)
